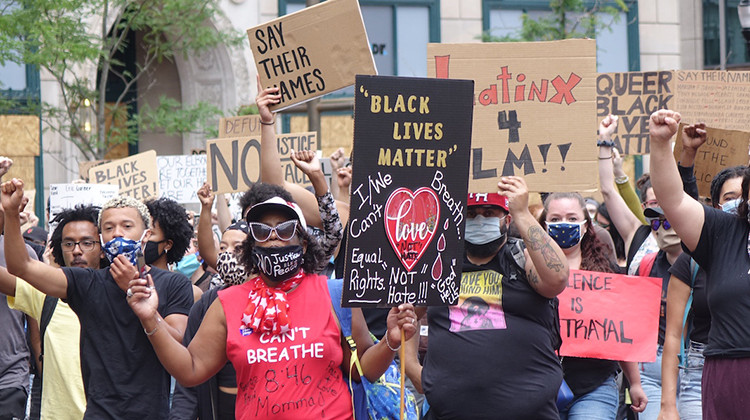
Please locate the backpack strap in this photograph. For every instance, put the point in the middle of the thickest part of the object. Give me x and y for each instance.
(688, 306)
(344, 319)
(48, 309)
(647, 263)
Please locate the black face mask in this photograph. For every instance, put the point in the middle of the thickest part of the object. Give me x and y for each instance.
(278, 263)
(151, 252)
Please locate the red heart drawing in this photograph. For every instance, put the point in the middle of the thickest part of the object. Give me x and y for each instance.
(411, 219)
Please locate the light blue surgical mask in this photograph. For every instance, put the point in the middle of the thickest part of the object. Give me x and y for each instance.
(731, 206)
(122, 246)
(566, 234)
(482, 230)
(188, 264)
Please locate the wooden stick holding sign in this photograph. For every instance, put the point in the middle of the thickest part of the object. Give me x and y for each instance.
(409, 185)
(312, 52)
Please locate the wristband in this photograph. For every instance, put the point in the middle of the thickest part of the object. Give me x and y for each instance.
(268, 123)
(607, 143)
(156, 328)
(622, 179)
(388, 343)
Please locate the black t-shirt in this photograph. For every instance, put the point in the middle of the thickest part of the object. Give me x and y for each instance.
(122, 377)
(584, 375)
(660, 269)
(493, 355)
(699, 316)
(722, 252)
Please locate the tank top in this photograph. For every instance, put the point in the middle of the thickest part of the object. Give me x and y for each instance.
(294, 375)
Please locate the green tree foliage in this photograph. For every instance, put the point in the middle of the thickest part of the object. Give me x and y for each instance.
(57, 36)
(568, 19)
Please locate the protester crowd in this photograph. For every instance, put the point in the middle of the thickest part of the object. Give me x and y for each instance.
(132, 310)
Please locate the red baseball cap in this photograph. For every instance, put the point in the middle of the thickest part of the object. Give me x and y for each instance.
(488, 199)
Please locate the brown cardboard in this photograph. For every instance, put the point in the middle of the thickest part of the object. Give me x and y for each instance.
(136, 175)
(19, 135)
(244, 126)
(718, 98)
(233, 164)
(316, 51)
(633, 97)
(550, 138)
(83, 167)
(723, 149)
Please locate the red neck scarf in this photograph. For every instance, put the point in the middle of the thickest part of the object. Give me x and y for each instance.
(267, 309)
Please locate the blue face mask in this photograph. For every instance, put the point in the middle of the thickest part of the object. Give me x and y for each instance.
(565, 234)
(122, 246)
(187, 265)
(731, 206)
(482, 230)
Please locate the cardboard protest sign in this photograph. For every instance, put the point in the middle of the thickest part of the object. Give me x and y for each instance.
(83, 167)
(135, 175)
(180, 176)
(594, 324)
(66, 196)
(718, 98)
(633, 97)
(534, 112)
(244, 126)
(234, 163)
(312, 52)
(295, 141)
(723, 149)
(409, 186)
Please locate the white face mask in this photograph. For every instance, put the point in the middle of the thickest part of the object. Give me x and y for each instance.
(731, 206)
(482, 230)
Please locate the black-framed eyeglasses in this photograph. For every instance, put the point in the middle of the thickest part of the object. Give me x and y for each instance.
(655, 223)
(284, 231)
(86, 245)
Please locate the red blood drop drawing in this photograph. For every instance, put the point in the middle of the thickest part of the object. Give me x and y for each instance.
(441, 243)
(445, 225)
(437, 268)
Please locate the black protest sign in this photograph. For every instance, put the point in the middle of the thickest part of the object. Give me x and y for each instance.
(409, 187)
(633, 97)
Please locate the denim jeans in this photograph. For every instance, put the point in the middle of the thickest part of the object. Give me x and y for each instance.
(599, 404)
(651, 383)
(689, 401)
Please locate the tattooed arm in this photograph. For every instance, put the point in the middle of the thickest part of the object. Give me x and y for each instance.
(546, 265)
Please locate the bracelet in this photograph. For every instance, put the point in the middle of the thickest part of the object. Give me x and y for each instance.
(149, 334)
(622, 179)
(388, 343)
(605, 158)
(268, 123)
(607, 143)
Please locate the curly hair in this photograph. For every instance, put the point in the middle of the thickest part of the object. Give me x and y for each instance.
(723, 176)
(595, 254)
(310, 260)
(172, 220)
(259, 192)
(79, 213)
(123, 201)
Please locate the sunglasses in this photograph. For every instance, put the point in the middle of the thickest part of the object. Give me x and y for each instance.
(655, 223)
(284, 231)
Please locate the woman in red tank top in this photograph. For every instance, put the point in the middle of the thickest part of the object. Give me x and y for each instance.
(278, 328)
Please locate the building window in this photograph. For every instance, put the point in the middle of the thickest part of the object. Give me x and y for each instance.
(735, 41)
(617, 44)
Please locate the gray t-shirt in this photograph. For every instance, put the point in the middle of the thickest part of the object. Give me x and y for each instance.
(14, 352)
